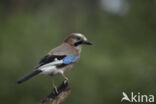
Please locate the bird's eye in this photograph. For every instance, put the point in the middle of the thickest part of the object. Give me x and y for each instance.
(77, 38)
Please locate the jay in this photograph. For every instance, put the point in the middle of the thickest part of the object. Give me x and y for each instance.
(59, 59)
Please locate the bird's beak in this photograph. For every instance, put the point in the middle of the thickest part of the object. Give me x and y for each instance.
(87, 42)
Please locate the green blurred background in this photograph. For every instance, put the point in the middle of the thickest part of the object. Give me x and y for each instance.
(123, 57)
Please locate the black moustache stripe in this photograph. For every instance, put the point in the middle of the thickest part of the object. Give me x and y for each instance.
(78, 43)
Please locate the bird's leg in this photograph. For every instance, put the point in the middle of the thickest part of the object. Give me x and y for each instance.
(54, 86)
(66, 79)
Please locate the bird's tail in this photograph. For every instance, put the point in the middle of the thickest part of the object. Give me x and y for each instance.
(28, 76)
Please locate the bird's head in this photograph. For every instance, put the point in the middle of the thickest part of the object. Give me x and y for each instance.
(77, 39)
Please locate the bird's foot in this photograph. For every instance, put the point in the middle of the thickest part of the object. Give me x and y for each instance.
(66, 80)
(55, 89)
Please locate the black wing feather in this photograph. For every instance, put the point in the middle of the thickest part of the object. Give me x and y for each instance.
(49, 58)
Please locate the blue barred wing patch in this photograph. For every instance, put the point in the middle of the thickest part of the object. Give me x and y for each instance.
(70, 59)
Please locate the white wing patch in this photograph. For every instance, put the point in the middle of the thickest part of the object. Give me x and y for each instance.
(51, 67)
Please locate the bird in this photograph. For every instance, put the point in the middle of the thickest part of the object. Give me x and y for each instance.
(60, 59)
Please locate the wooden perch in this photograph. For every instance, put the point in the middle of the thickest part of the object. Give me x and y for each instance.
(60, 97)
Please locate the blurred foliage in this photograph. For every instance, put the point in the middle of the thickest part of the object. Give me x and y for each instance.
(121, 59)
